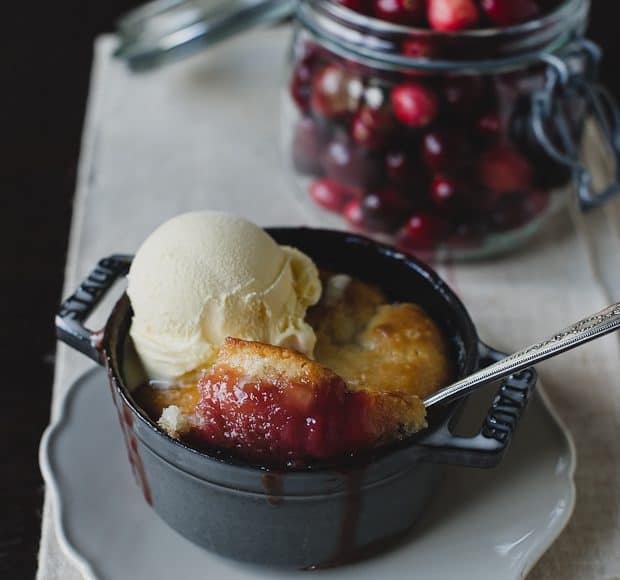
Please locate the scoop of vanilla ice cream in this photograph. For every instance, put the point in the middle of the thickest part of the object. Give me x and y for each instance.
(204, 276)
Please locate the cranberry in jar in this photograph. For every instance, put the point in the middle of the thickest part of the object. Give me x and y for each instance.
(440, 126)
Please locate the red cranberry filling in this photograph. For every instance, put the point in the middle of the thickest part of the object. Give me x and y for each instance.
(282, 421)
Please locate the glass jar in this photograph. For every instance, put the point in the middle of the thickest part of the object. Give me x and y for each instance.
(449, 145)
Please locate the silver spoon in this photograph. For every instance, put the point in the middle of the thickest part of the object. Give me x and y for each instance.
(594, 326)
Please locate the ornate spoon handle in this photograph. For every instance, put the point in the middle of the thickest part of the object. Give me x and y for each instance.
(595, 326)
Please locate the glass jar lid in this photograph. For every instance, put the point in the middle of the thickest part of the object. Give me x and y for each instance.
(166, 30)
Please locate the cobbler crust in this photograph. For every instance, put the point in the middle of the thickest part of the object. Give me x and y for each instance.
(389, 412)
(380, 347)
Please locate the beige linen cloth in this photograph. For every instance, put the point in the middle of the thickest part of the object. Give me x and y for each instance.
(205, 134)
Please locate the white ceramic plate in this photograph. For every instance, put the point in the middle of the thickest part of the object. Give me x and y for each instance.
(482, 523)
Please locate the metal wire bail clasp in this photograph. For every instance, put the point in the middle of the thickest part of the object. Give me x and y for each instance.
(572, 78)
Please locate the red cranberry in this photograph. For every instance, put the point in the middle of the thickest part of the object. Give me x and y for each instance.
(449, 193)
(407, 12)
(489, 125)
(463, 94)
(385, 210)
(361, 6)
(301, 83)
(509, 12)
(350, 165)
(354, 214)
(330, 194)
(335, 92)
(444, 149)
(371, 127)
(503, 169)
(422, 231)
(308, 144)
(418, 48)
(414, 104)
(403, 168)
(452, 15)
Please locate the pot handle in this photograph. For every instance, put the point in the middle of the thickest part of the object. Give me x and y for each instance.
(74, 311)
(487, 447)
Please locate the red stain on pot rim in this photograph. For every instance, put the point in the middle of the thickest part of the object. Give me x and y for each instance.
(126, 420)
(272, 484)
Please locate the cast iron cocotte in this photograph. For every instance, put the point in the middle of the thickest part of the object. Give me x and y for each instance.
(328, 513)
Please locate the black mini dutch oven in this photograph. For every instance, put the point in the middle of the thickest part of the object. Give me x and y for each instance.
(325, 514)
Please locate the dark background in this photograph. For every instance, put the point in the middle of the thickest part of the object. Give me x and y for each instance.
(45, 65)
